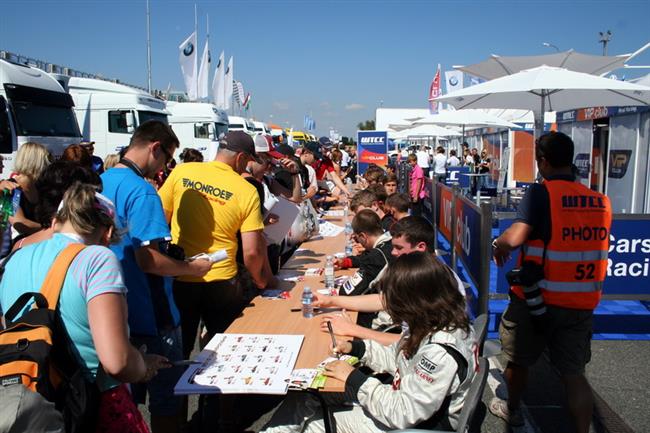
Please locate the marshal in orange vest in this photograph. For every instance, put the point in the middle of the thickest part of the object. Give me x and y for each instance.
(575, 262)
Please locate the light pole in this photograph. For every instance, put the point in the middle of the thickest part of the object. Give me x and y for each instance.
(604, 39)
(548, 45)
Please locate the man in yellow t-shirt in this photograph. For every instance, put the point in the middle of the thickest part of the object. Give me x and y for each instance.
(207, 204)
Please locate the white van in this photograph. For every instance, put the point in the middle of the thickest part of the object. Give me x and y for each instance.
(236, 123)
(108, 112)
(33, 107)
(198, 125)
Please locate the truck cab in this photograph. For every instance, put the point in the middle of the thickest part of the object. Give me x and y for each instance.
(198, 125)
(261, 128)
(109, 112)
(33, 107)
(237, 123)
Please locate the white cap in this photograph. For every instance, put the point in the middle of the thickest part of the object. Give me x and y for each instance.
(261, 144)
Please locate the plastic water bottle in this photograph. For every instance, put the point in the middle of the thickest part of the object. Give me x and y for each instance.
(348, 239)
(307, 303)
(346, 212)
(329, 273)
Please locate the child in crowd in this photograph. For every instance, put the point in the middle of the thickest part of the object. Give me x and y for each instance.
(368, 232)
(379, 191)
(397, 205)
(390, 183)
(432, 366)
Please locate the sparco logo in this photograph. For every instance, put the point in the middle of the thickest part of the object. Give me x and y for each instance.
(372, 139)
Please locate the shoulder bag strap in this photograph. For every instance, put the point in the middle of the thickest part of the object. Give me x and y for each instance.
(55, 277)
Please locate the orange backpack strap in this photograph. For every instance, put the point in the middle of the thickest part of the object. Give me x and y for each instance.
(55, 277)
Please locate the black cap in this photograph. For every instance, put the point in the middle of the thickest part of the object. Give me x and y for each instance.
(314, 148)
(285, 150)
(239, 141)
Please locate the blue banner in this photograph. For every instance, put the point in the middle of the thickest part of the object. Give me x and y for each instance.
(455, 176)
(468, 237)
(372, 148)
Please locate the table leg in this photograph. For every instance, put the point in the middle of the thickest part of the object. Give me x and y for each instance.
(327, 415)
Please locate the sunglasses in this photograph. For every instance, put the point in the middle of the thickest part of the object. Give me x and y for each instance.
(168, 155)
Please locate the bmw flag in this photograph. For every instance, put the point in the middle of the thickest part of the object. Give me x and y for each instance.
(453, 80)
(189, 65)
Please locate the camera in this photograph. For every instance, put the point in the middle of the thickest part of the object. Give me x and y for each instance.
(528, 274)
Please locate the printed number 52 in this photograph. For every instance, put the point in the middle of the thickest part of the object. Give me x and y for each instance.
(585, 271)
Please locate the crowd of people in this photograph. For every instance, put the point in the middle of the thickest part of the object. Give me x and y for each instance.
(143, 284)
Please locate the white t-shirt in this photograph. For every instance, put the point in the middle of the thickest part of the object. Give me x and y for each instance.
(440, 162)
(423, 158)
(345, 159)
(453, 161)
(312, 176)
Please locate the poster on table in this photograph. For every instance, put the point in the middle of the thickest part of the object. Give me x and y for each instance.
(372, 148)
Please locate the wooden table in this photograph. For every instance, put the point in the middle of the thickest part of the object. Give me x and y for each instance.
(274, 316)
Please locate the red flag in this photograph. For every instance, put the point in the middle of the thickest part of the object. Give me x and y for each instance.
(434, 92)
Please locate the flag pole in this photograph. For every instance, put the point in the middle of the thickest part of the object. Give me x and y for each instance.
(196, 32)
(148, 49)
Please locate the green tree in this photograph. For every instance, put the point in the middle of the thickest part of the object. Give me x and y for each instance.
(368, 125)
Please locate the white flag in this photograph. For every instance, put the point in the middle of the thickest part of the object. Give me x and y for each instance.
(453, 80)
(188, 59)
(204, 72)
(228, 84)
(217, 83)
(239, 92)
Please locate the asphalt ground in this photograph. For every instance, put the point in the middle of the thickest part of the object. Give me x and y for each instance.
(619, 373)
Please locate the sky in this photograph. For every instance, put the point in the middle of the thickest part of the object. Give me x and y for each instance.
(337, 60)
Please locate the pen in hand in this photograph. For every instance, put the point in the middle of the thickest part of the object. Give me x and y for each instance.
(329, 328)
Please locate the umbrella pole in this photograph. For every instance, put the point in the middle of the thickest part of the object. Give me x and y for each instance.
(539, 118)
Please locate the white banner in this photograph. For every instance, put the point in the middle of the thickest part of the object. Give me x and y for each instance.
(228, 84)
(453, 80)
(217, 83)
(188, 59)
(204, 72)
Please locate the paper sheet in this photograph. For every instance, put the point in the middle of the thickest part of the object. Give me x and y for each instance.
(242, 364)
(329, 230)
(287, 212)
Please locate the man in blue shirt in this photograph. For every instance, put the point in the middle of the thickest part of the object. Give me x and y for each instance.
(153, 316)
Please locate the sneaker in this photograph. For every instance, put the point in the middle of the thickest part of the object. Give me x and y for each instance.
(499, 408)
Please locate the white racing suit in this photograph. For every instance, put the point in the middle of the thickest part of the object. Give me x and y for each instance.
(425, 388)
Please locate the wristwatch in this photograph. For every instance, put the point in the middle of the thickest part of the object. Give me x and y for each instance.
(494, 244)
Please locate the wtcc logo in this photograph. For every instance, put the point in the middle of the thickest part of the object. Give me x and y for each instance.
(372, 140)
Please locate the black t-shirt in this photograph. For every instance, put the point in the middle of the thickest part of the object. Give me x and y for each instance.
(535, 209)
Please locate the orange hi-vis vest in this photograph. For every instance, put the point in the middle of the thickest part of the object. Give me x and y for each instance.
(575, 262)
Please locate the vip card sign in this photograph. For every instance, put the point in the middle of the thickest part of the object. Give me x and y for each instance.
(242, 364)
(456, 176)
(372, 148)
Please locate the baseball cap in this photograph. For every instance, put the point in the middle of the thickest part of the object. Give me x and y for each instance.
(285, 151)
(86, 143)
(314, 148)
(239, 141)
(261, 143)
(325, 141)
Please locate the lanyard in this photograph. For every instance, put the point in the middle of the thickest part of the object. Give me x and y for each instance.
(133, 166)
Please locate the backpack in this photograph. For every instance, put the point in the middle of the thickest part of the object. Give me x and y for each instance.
(36, 351)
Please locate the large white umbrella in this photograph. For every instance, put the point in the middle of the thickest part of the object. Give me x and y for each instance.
(547, 88)
(463, 118)
(429, 131)
(498, 66)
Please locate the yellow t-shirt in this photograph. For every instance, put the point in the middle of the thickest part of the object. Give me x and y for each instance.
(210, 203)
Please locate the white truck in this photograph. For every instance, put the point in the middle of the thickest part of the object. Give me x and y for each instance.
(237, 123)
(108, 112)
(33, 107)
(261, 128)
(198, 125)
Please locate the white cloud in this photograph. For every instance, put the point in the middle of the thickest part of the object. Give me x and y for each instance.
(354, 107)
(281, 105)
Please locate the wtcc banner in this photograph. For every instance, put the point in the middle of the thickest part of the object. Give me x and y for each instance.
(372, 148)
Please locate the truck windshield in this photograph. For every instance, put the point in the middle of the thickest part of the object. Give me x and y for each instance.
(220, 128)
(151, 115)
(44, 120)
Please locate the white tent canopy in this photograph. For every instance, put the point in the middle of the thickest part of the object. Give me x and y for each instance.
(498, 66)
(547, 88)
(425, 131)
(465, 118)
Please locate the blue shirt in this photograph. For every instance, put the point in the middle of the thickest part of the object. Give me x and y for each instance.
(93, 272)
(141, 221)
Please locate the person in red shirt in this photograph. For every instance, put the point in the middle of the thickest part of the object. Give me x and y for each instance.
(325, 168)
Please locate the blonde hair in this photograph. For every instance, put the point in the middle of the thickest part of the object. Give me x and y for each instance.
(80, 207)
(31, 160)
(111, 160)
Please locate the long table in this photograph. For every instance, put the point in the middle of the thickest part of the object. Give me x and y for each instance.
(274, 316)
